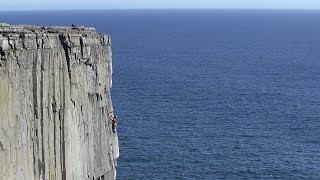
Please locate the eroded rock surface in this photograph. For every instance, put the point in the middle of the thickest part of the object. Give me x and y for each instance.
(54, 104)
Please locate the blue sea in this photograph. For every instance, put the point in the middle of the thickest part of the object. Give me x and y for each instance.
(210, 94)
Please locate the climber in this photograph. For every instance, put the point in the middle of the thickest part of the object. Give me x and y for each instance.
(114, 124)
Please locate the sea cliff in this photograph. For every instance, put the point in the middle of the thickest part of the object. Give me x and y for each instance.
(55, 103)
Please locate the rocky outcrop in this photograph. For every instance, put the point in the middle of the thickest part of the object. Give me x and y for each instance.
(55, 104)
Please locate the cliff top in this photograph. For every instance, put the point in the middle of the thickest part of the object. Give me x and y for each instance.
(73, 29)
(45, 37)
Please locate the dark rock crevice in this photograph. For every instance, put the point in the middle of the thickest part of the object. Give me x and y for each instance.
(64, 43)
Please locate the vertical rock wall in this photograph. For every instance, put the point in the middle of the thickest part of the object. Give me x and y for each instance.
(54, 104)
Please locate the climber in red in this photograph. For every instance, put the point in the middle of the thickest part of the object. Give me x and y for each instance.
(114, 122)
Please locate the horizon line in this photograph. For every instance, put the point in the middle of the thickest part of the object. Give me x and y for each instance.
(80, 9)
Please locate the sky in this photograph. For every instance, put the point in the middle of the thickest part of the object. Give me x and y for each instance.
(154, 4)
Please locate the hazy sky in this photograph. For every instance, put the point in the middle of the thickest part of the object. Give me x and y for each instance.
(142, 4)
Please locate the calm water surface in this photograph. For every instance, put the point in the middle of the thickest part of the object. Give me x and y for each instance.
(212, 93)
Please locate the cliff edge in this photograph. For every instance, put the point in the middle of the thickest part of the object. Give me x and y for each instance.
(55, 103)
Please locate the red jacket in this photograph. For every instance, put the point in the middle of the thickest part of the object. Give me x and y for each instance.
(114, 120)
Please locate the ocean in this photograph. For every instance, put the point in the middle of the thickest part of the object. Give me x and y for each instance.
(210, 94)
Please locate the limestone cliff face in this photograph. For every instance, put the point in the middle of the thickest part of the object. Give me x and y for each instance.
(54, 104)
